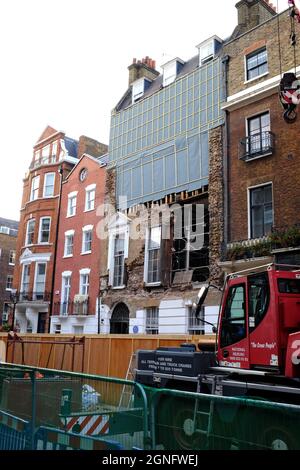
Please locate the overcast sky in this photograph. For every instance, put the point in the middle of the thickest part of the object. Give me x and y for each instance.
(64, 63)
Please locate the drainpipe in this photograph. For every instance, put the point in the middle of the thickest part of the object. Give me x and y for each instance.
(60, 171)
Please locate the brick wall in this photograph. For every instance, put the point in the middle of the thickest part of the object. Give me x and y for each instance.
(7, 243)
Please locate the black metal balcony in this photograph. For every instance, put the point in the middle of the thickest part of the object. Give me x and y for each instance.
(257, 145)
(33, 296)
(71, 308)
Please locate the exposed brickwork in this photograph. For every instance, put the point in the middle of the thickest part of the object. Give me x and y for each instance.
(7, 244)
(216, 201)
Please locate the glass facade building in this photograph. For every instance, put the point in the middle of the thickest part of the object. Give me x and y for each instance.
(160, 143)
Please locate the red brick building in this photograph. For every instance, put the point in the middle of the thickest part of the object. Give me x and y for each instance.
(262, 173)
(54, 155)
(76, 288)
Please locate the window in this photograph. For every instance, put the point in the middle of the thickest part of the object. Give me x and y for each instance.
(153, 259)
(152, 321)
(5, 313)
(258, 286)
(90, 200)
(30, 232)
(118, 268)
(289, 286)
(5, 230)
(66, 289)
(12, 257)
(35, 184)
(54, 152)
(77, 329)
(57, 329)
(29, 327)
(25, 279)
(72, 201)
(195, 325)
(257, 63)
(46, 154)
(259, 139)
(40, 280)
(69, 243)
(261, 211)
(44, 233)
(86, 240)
(233, 326)
(84, 284)
(49, 184)
(9, 282)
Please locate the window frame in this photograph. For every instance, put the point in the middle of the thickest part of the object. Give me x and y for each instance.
(12, 258)
(147, 257)
(87, 230)
(250, 56)
(9, 282)
(37, 264)
(121, 256)
(25, 266)
(27, 232)
(88, 191)
(84, 286)
(40, 230)
(250, 189)
(72, 196)
(34, 192)
(152, 321)
(47, 186)
(227, 320)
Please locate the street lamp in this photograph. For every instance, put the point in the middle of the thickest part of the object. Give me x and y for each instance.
(14, 301)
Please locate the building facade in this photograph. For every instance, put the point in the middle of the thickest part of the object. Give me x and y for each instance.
(158, 248)
(8, 241)
(262, 172)
(75, 306)
(54, 155)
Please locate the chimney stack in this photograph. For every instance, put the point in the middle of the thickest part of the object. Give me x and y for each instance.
(142, 68)
(251, 13)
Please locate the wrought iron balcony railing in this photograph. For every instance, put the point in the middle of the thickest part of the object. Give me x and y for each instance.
(30, 296)
(71, 308)
(257, 145)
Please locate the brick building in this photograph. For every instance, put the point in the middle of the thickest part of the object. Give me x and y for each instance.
(76, 287)
(8, 241)
(159, 156)
(54, 155)
(261, 169)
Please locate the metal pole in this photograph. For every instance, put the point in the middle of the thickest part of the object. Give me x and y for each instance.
(13, 316)
(99, 313)
(33, 409)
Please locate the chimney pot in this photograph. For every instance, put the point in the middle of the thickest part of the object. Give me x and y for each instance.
(134, 61)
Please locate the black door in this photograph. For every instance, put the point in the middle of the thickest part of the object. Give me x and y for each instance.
(119, 323)
(42, 323)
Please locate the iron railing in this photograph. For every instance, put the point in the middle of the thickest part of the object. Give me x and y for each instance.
(257, 145)
(71, 308)
(33, 296)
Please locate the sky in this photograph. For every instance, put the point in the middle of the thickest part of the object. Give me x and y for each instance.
(64, 64)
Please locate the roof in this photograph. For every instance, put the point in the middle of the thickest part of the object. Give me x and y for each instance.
(157, 84)
(104, 159)
(71, 146)
(11, 224)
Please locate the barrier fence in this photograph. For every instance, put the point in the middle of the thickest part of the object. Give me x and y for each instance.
(50, 409)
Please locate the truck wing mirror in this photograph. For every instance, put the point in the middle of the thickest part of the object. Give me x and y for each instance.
(200, 300)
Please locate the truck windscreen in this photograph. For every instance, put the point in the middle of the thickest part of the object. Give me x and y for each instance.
(289, 286)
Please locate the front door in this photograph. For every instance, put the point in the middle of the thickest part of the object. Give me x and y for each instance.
(42, 322)
(233, 334)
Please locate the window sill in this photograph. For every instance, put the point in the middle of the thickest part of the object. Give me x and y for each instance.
(152, 284)
(68, 256)
(49, 197)
(70, 215)
(8, 290)
(86, 252)
(256, 78)
(11, 264)
(89, 210)
(118, 287)
(44, 243)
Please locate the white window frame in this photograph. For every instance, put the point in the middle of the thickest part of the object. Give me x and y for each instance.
(150, 324)
(57, 328)
(46, 154)
(25, 265)
(249, 203)
(68, 235)
(158, 283)
(246, 68)
(72, 196)
(40, 231)
(27, 232)
(34, 193)
(54, 152)
(85, 230)
(91, 189)
(121, 228)
(86, 286)
(45, 185)
(35, 277)
(10, 278)
(12, 257)
(67, 275)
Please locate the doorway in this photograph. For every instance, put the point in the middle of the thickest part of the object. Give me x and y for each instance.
(42, 323)
(119, 322)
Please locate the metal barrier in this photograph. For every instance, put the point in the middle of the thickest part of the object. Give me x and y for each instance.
(13, 432)
(79, 409)
(193, 421)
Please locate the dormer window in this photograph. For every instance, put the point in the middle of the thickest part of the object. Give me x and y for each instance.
(139, 87)
(208, 49)
(170, 70)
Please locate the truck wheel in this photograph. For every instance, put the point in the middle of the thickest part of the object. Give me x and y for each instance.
(279, 439)
(184, 427)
